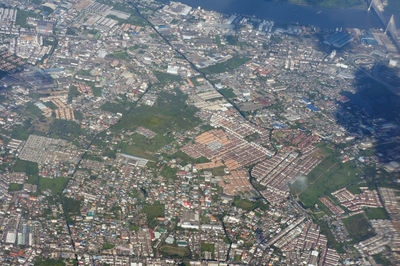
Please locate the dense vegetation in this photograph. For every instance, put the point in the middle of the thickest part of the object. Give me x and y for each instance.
(71, 207)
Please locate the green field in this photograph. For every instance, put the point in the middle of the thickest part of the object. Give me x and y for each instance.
(122, 55)
(210, 247)
(56, 185)
(358, 227)
(14, 187)
(228, 65)
(22, 15)
(376, 213)
(153, 211)
(64, 129)
(381, 259)
(48, 262)
(227, 92)
(71, 207)
(108, 246)
(169, 114)
(249, 205)
(29, 168)
(168, 172)
(173, 251)
(328, 176)
(165, 78)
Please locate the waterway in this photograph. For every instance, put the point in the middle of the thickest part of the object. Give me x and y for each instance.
(284, 13)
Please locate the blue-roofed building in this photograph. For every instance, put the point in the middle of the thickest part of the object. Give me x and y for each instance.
(368, 39)
(312, 107)
(339, 39)
(305, 100)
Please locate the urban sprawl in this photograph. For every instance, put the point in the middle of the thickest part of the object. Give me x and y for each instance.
(146, 133)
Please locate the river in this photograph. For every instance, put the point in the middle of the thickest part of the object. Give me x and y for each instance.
(284, 13)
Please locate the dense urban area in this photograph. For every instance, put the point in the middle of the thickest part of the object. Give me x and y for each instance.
(153, 133)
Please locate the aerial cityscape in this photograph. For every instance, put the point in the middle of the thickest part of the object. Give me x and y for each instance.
(199, 132)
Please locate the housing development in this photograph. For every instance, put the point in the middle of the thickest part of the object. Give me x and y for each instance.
(150, 132)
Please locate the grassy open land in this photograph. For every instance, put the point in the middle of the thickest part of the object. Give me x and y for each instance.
(358, 227)
(29, 168)
(381, 259)
(56, 185)
(331, 3)
(184, 159)
(65, 129)
(71, 207)
(227, 92)
(169, 114)
(47, 262)
(22, 15)
(376, 213)
(207, 247)
(123, 55)
(108, 246)
(165, 78)
(229, 64)
(249, 205)
(14, 187)
(153, 211)
(327, 177)
(169, 172)
(173, 251)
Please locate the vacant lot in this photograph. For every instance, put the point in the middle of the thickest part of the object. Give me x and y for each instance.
(358, 227)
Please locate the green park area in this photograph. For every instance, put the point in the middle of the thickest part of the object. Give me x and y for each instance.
(358, 227)
(225, 66)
